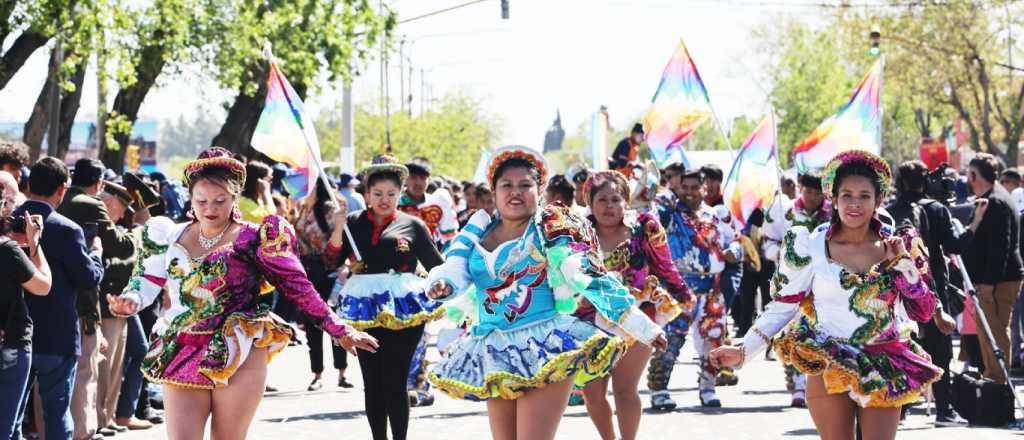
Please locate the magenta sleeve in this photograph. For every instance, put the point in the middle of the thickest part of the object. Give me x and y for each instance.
(282, 268)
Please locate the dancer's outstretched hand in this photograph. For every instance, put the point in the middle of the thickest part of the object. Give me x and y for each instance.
(727, 356)
(122, 306)
(439, 290)
(358, 340)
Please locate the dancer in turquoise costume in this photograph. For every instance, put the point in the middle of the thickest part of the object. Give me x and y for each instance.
(529, 269)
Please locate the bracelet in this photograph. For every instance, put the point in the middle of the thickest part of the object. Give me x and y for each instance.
(760, 333)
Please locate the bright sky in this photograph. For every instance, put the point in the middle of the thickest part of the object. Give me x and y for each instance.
(573, 55)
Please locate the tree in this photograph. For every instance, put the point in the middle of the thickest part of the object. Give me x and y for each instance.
(310, 38)
(953, 58)
(33, 22)
(451, 135)
(163, 32)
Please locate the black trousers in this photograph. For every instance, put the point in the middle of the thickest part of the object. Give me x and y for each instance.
(315, 339)
(940, 348)
(384, 375)
(750, 285)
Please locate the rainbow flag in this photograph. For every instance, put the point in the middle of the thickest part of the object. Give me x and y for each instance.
(286, 134)
(857, 125)
(679, 106)
(754, 177)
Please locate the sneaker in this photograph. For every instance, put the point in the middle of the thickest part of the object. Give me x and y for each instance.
(315, 385)
(947, 419)
(425, 398)
(107, 431)
(661, 401)
(708, 399)
(116, 427)
(726, 378)
(270, 389)
(799, 399)
(343, 383)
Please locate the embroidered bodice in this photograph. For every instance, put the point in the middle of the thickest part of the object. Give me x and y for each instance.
(860, 308)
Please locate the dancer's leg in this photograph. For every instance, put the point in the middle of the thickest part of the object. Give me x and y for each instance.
(235, 405)
(539, 411)
(186, 411)
(502, 416)
(595, 395)
(625, 381)
(833, 414)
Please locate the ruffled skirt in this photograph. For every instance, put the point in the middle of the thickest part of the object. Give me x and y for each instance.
(885, 375)
(390, 300)
(506, 364)
(206, 360)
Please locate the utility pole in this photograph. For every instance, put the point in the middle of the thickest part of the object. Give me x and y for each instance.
(347, 152)
(401, 72)
(423, 88)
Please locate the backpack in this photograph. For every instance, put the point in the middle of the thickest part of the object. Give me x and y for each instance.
(982, 401)
(911, 214)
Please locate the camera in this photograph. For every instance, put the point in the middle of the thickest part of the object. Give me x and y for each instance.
(939, 187)
(13, 224)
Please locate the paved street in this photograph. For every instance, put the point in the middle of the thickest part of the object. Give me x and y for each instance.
(758, 408)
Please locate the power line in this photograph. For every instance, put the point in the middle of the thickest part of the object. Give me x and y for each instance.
(441, 11)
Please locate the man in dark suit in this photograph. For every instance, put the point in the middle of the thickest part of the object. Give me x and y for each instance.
(83, 206)
(993, 260)
(56, 339)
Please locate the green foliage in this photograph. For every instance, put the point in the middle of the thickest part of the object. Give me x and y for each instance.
(309, 37)
(952, 60)
(451, 135)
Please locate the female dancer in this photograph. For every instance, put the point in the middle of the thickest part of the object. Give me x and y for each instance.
(212, 355)
(845, 280)
(384, 294)
(528, 266)
(313, 228)
(634, 246)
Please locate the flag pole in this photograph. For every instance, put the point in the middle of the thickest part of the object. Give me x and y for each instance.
(268, 53)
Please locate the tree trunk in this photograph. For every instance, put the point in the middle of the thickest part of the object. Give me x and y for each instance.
(69, 108)
(128, 101)
(12, 61)
(39, 121)
(236, 133)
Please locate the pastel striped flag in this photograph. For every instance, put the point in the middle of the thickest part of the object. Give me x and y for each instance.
(679, 106)
(286, 134)
(856, 126)
(754, 177)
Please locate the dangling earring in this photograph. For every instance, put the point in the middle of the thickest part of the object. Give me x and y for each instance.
(191, 214)
(236, 213)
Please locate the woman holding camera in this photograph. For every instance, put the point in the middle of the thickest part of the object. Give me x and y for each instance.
(23, 267)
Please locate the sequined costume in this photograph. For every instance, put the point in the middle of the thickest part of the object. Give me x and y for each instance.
(645, 264)
(384, 290)
(215, 317)
(848, 325)
(698, 241)
(437, 211)
(782, 216)
(525, 336)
